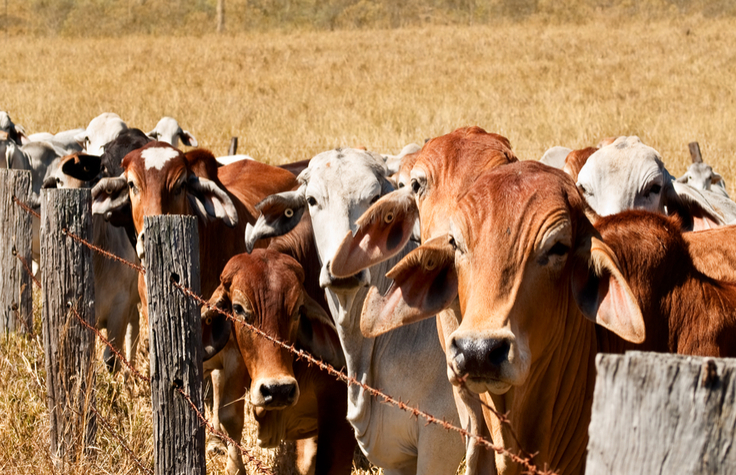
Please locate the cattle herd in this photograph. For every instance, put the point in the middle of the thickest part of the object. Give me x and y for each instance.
(452, 276)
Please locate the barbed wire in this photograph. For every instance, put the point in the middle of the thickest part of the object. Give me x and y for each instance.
(524, 461)
(26, 207)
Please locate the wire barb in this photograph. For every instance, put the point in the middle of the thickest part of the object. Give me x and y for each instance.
(27, 208)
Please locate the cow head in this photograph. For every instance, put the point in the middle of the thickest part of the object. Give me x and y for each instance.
(701, 177)
(630, 175)
(12, 131)
(336, 189)
(158, 179)
(525, 262)
(265, 289)
(100, 131)
(442, 170)
(168, 130)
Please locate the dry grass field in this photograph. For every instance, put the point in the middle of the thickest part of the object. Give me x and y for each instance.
(289, 96)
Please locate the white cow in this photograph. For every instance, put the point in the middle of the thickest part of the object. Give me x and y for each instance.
(168, 130)
(336, 188)
(100, 131)
(65, 139)
(702, 177)
(630, 175)
(228, 159)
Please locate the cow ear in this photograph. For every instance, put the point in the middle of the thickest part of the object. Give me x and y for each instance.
(682, 179)
(715, 178)
(210, 201)
(694, 209)
(82, 166)
(216, 327)
(82, 138)
(383, 231)
(111, 199)
(280, 213)
(425, 283)
(602, 293)
(318, 335)
(188, 139)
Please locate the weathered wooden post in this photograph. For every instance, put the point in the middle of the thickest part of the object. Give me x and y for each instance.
(68, 291)
(233, 146)
(172, 253)
(221, 18)
(660, 413)
(16, 293)
(695, 152)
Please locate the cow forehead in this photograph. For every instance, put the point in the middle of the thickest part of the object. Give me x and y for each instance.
(158, 157)
(344, 169)
(626, 156)
(269, 279)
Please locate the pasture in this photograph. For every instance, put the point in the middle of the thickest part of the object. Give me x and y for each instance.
(288, 96)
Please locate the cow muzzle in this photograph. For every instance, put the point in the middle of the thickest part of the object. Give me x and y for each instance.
(482, 363)
(343, 284)
(274, 393)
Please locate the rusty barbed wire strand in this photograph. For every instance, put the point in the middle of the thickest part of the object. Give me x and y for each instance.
(106, 425)
(28, 269)
(109, 255)
(379, 395)
(27, 208)
(258, 464)
(210, 428)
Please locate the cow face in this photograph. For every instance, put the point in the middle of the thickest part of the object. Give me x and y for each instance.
(525, 262)
(158, 180)
(168, 130)
(701, 177)
(265, 289)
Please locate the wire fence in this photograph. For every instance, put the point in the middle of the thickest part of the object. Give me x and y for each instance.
(523, 458)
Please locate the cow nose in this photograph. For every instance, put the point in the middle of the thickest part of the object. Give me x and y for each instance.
(326, 279)
(477, 357)
(278, 395)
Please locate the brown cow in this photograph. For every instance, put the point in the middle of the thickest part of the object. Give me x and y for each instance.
(532, 275)
(441, 172)
(685, 310)
(291, 399)
(575, 161)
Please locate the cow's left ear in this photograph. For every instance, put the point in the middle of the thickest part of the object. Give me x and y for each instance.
(188, 139)
(280, 213)
(318, 335)
(425, 283)
(82, 166)
(210, 201)
(602, 293)
(694, 209)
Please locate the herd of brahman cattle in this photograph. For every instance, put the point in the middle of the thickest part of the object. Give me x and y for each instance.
(452, 276)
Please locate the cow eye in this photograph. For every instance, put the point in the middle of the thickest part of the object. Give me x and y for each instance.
(453, 243)
(132, 188)
(179, 188)
(375, 198)
(415, 186)
(584, 191)
(311, 201)
(654, 189)
(240, 311)
(558, 249)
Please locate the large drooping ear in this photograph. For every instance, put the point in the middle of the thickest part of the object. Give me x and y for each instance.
(383, 231)
(682, 179)
(187, 138)
(210, 201)
(715, 178)
(216, 327)
(110, 198)
(280, 213)
(318, 335)
(694, 209)
(81, 166)
(602, 293)
(425, 283)
(82, 139)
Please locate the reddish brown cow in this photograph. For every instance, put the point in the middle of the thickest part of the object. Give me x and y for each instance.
(291, 399)
(685, 311)
(575, 161)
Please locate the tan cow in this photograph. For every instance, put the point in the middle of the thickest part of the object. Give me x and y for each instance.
(440, 173)
(291, 399)
(532, 276)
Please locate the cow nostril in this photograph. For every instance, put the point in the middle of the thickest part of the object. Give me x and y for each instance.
(292, 393)
(266, 393)
(499, 353)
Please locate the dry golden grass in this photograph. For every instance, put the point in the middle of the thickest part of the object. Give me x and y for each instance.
(290, 96)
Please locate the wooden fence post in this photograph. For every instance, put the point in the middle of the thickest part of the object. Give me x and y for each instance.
(660, 413)
(233, 146)
(67, 281)
(172, 252)
(16, 291)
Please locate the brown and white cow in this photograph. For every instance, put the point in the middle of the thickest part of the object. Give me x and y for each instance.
(533, 277)
(440, 173)
(291, 399)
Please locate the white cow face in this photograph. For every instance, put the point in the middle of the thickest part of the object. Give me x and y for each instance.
(168, 130)
(624, 175)
(100, 131)
(701, 177)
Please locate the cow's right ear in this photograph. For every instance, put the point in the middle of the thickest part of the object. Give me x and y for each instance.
(425, 283)
(111, 199)
(280, 213)
(383, 231)
(82, 166)
(216, 327)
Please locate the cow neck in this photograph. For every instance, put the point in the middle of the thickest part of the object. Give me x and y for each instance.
(551, 411)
